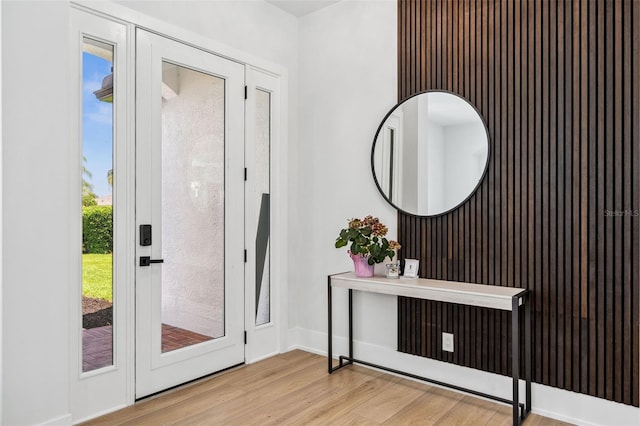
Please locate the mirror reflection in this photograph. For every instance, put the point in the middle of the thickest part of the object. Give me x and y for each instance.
(430, 153)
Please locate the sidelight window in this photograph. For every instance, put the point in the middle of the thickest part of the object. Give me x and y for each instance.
(97, 204)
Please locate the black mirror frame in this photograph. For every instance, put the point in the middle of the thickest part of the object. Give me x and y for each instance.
(484, 172)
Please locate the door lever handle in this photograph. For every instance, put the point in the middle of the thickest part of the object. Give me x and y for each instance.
(146, 261)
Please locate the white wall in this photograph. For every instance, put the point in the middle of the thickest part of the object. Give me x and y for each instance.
(348, 72)
(250, 26)
(35, 279)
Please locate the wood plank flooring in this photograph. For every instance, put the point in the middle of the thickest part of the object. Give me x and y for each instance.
(294, 389)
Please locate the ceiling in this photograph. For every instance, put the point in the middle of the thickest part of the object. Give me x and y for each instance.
(301, 7)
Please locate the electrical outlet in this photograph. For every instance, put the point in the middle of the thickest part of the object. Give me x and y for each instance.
(447, 342)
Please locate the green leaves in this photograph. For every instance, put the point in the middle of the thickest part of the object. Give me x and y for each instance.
(97, 229)
(363, 240)
(379, 251)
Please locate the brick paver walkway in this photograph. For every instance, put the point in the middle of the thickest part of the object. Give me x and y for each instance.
(97, 344)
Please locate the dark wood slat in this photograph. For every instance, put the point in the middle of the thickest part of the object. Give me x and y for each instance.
(618, 232)
(455, 46)
(587, 245)
(531, 142)
(561, 296)
(425, 38)
(545, 289)
(609, 203)
(588, 283)
(558, 83)
(410, 42)
(495, 249)
(506, 261)
(635, 231)
(538, 291)
(570, 370)
(635, 178)
(601, 193)
(552, 185)
(576, 204)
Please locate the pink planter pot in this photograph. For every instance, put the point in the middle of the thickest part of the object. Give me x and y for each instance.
(360, 266)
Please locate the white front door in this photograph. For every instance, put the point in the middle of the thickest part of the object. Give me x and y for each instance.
(189, 213)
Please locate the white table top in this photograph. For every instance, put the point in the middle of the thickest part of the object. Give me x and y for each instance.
(488, 296)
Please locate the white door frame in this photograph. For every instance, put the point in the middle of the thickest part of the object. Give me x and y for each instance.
(263, 340)
(279, 189)
(113, 383)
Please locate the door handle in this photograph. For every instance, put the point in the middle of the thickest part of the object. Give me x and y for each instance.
(146, 261)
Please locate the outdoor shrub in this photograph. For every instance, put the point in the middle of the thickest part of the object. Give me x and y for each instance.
(97, 229)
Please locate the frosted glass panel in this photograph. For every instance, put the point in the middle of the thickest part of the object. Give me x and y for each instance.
(263, 146)
(192, 207)
(97, 209)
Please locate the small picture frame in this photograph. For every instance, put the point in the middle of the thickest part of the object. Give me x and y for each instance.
(411, 268)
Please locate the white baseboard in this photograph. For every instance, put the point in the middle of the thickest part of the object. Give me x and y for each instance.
(99, 414)
(59, 421)
(547, 401)
(260, 358)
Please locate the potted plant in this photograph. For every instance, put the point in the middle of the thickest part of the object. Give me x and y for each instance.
(368, 244)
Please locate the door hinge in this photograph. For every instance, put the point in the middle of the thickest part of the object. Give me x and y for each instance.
(245, 337)
(245, 255)
(245, 174)
(246, 92)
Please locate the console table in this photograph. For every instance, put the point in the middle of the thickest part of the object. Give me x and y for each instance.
(486, 296)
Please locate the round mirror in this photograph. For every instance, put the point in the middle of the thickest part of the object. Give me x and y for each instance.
(430, 153)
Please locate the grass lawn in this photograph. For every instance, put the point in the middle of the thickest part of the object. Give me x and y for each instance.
(97, 272)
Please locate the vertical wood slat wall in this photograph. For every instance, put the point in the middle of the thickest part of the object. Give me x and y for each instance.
(558, 84)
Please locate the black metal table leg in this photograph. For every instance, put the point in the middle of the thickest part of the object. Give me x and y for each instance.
(341, 358)
(515, 355)
(350, 323)
(527, 348)
(330, 328)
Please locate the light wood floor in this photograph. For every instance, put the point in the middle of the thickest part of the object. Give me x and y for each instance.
(294, 389)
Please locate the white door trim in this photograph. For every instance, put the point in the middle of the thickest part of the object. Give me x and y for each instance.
(113, 384)
(157, 26)
(265, 340)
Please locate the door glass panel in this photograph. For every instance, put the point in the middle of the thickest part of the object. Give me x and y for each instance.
(97, 206)
(193, 165)
(263, 147)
